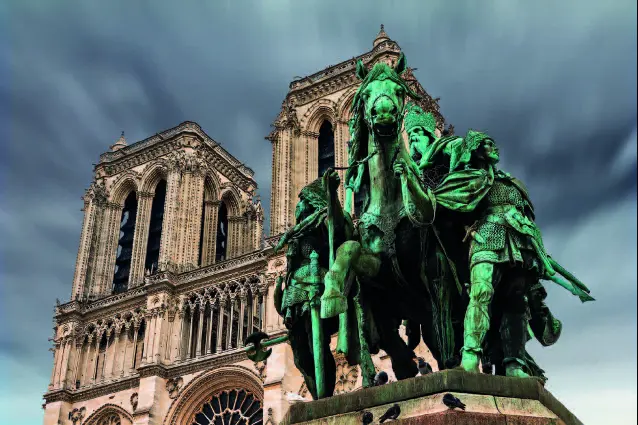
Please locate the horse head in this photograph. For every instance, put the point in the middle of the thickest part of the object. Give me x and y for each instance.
(381, 97)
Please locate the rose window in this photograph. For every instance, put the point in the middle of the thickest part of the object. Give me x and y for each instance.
(234, 407)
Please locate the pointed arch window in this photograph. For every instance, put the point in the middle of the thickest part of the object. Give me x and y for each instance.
(326, 147)
(222, 233)
(125, 244)
(155, 227)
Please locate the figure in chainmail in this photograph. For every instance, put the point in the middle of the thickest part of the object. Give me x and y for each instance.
(506, 254)
(292, 294)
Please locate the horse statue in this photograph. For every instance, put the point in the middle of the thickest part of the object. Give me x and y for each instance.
(385, 265)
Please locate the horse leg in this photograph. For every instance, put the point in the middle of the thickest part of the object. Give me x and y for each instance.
(333, 300)
(401, 356)
(365, 359)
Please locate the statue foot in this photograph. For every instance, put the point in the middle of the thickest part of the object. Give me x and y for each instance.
(515, 370)
(470, 362)
(333, 303)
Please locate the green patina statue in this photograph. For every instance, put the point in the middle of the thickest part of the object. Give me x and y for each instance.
(506, 252)
(445, 243)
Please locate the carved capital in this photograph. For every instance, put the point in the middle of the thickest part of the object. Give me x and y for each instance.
(309, 133)
(147, 195)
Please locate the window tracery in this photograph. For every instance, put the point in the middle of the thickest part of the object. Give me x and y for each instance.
(230, 407)
(326, 147)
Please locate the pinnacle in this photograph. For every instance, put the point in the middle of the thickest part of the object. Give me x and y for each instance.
(120, 143)
(382, 36)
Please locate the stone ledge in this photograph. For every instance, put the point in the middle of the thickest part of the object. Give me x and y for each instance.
(454, 381)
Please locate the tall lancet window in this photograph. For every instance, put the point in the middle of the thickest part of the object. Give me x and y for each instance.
(125, 244)
(222, 233)
(326, 147)
(155, 227)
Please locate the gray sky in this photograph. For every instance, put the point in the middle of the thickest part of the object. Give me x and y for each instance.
(554, 84)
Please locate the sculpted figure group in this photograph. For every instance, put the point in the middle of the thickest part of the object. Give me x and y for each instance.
(445, 243)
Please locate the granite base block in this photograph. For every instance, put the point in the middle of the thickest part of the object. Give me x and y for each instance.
(489, 400)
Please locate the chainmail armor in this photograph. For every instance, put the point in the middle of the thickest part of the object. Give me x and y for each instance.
(502, 243)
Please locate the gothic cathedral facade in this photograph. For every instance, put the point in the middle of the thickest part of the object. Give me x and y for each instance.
(173, 270)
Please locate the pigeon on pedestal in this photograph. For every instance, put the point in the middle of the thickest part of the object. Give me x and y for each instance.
(380, 378)
(391, 414)
(452, 402)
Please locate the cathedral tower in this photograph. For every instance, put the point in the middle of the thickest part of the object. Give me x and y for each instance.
(167, 284)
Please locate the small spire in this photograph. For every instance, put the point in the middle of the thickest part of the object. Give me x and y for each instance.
(121, 143)
(381, 37)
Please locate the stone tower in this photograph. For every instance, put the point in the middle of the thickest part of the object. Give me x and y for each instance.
(168, 282)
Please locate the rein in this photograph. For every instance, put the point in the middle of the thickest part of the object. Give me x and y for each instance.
(356, 163)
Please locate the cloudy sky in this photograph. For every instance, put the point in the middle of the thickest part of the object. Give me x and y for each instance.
(554, 84)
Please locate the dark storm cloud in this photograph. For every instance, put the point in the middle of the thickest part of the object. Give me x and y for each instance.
(554, 84)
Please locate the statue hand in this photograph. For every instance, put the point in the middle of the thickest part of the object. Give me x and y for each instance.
(331, 179)
(399, 167)
(334, 179)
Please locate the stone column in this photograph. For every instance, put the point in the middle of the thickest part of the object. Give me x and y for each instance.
(311, 140)
(181, 353)
(66, 359)
(342, 136)
(288, 185)
(240, 331)
(147, 332)
(158, 334)
(116, 337)
(150, 338)
(200, 329)
(167, 244)
(54, 350)
(182, 221)
(126, 342)
(229, 335)
(106, 352)
(84, 250)
(84, 378)
(263, 290)
(95, 357)
(220, 323)
(140, 238)
(136, 329)
(251, 315)
(276, 171)
(209, 331)
(190, 333)
(77, 363)
(196, 201)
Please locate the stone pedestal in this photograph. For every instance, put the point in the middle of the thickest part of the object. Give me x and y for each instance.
(489, 400)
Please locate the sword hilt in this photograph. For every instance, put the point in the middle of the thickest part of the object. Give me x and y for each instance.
(255, 345)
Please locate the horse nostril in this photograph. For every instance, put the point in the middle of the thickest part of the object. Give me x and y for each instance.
(374, 112)
(393, 109)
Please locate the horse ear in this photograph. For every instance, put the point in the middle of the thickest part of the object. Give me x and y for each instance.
(362, 71)
(401, 64)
